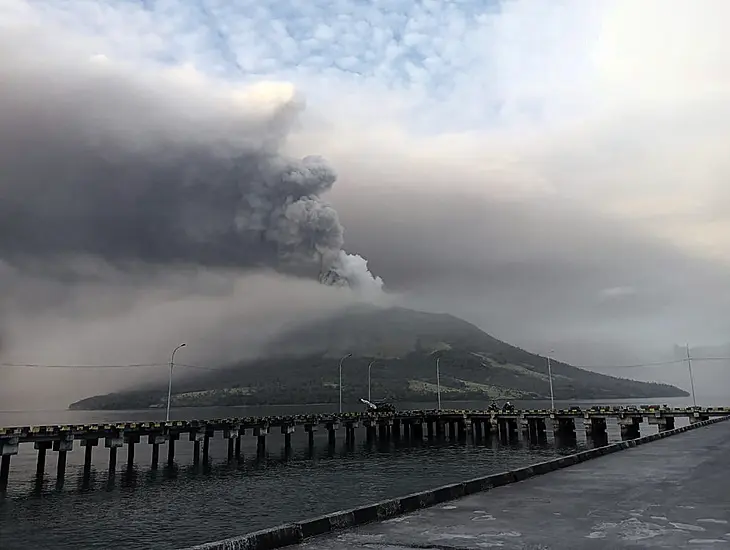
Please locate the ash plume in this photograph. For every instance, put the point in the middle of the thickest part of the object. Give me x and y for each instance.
(104, 161)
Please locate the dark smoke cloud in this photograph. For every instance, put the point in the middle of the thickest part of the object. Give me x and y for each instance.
(143, 208)
(99, 160)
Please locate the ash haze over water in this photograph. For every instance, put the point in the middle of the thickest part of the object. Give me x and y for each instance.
(555, 172)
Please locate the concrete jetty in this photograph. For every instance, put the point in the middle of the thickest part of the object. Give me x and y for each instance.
(672, 493)
(400, 425)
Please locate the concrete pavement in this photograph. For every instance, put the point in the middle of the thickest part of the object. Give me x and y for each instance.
(672, 493)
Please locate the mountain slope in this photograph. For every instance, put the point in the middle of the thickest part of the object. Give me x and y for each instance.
(302, 367)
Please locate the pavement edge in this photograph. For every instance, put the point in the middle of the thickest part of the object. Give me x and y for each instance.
(294, 533)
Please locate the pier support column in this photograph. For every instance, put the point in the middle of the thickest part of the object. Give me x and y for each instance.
(310, 429)
(630, 427)
(595, 426)
(395, 428)
(476, 428)
(206, 446)
(196, 438)
(287, 431)
(406, 429)
(131, 440)
(8, 448)
(42, 447)
(564, 426)
(440, 428)
(260, 433)
(62, 447)
(113, 443)
(430, 429)
(507, 428)
(463, 426)
(370, 431)
(384, 429)
(537, 430)
(332, 428)
(525, 428)
(237, 449)
(88, 445)
(350, 432)
(416, 427)
(4, 472)
(172, 437)
(232, 436)
(156, 440)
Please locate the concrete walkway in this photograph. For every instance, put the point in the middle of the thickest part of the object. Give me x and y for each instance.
(672, 493)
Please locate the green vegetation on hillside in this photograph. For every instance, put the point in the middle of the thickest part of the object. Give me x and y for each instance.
(302, 367)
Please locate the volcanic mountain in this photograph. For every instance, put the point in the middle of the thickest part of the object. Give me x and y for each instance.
(301, 366)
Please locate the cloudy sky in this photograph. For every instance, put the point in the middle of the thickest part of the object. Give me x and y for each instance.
(554, 171)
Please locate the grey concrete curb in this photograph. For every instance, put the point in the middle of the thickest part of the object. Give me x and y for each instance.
(294, 533)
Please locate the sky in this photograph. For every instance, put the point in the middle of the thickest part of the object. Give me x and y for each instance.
(553, 171)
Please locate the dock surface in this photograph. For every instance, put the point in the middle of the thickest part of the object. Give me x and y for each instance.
(672, 493)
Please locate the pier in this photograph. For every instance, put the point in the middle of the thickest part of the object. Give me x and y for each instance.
(671, 493)
(402, 425)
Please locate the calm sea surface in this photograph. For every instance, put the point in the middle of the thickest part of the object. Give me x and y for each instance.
(181, 506)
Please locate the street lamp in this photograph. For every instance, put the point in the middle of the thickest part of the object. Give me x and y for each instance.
(691, 378)
(370, 366)
(438, 381)
(550, 378)
(169, 382)
(341, 361)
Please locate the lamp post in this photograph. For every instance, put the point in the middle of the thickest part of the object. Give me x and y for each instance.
(341, 361)
(169, 382)
(370, 366)
(550, 378)
(691, 378)
(438, 381)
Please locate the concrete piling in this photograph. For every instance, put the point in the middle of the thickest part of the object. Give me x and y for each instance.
(206, 447)
(260, 432)
(131, 440)
(196, 437)
(42, 448)
(113, 443)
(630, 426)
(88, 445)
(310, 429)
(4, 472)
(231, 436)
